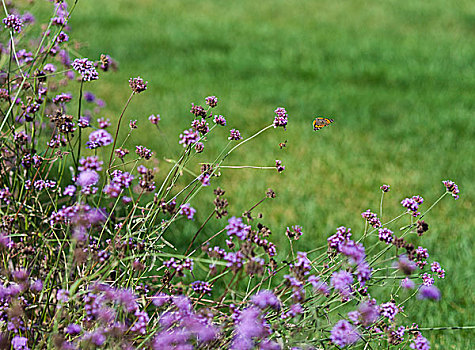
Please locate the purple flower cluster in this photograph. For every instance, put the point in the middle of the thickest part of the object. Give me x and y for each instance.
(412, 204)
(13, 22)
(62, 98)
(278, 164)
(318, 285)
(119, 181)
(99, 138)
(342, 281)
(237, 228)
(5, 195)
(201, 126)
(420, 343)
(154, 119)
(90, 163)
(421, 255)
(234, 135)
(180, 325)
(295, 232)
(372, 218)
(389, 310)
(385, 188)
(187, 210)
(427, 279)
(143, 152)
(198, 111)
(264, 299)
(189, 137)
(86, 68)
(137, 85)
(234, 260)
(250, 328)
(179, 266)
(452, 188)
(201, 287)
(406, 283)
(280, 118)
(435, 267)
(429, 292)
(220, 120)
(211, 101)
(385, 235)
(405, 265)
(335, 241)
(343, 334)
(87, 178)
(103, 123)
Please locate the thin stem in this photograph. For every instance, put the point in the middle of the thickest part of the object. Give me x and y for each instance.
(117, 130)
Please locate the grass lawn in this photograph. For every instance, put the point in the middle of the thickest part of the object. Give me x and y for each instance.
(397, 77)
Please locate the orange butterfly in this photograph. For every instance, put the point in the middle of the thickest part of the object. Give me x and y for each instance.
(321, 122)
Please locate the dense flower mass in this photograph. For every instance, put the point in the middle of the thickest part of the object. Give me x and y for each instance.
(343, 334)
(13, 22)
(280, 118)
(86, 68)
(101, 251)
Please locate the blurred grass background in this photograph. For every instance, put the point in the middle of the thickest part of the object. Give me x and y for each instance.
(397, 77)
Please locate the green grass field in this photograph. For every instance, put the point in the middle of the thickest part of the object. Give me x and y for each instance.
(397, 77)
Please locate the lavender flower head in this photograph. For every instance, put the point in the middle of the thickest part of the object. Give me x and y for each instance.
(13, 22)
(99, 138)
(342, 281)
(420, 343)
(264, 299)
(452, 188)
(86, 68)
(406, 283)
(211, 101)
(429, 292)
(154, 119)
(137, 85)
(220, 120)
(20, 343)
(234, 135)
(237, 228)
(187, 210)
(343, 334)
(280, 118)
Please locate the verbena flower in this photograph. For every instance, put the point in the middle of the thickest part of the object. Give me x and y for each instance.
(187, 211)
(264, 299)
(87, 178)
(280, 118)
(420, 343)
(435, 267)
(342, 281)
(99, 138)
(372, 218)
(220, 120)
(13, 22)
(318, 285)
(429, 292)
(385, 235)
(407, 283)
(20, 343)
(343, 334)
(137, 85)
(234, 135)
(211, 101)
(385, 188)
(412, 204)
(201, 287)
(389, 310)
(86, 68)
(278, 164)
(143, 152)
(295, 232)
(427, 279)
(452, 188)
(189, 137)
(237, 228)
(154, 119)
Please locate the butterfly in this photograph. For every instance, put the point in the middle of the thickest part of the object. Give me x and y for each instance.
(321, 122)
